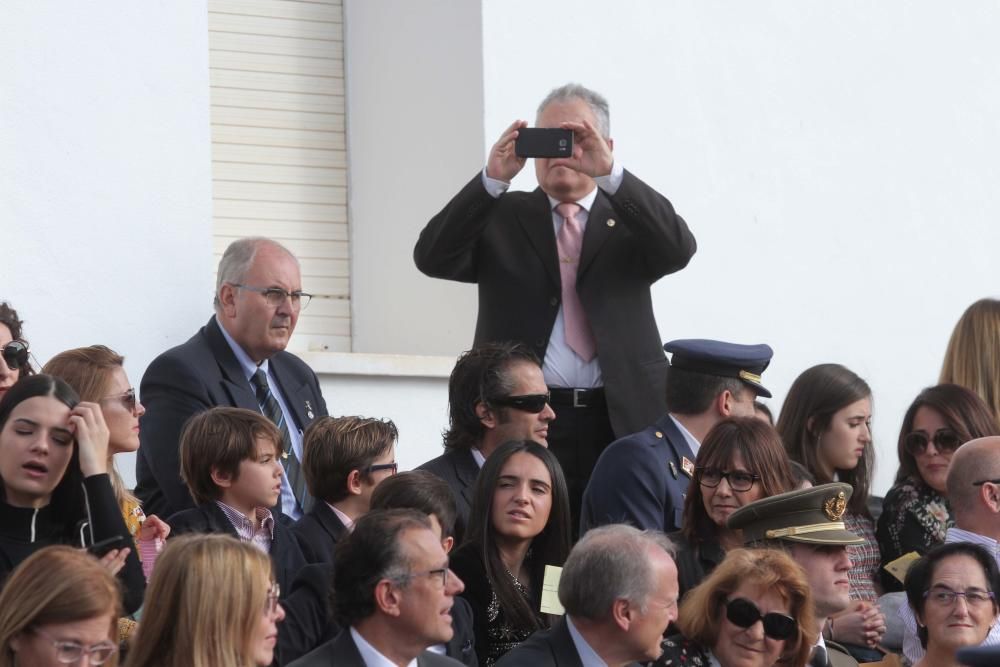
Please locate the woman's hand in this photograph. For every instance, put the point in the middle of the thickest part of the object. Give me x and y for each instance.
(114, 560)
(86, 421)
(861, 624)
(154, 528)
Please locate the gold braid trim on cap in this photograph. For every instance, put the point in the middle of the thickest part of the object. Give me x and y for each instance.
(747, 375)
(802, 530)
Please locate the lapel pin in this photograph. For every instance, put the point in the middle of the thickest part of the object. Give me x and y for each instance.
(611, 222)
(309, 410)
(687, 466)
(673, 469)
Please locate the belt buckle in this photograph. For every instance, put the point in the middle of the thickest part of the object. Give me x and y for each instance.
(576, 398)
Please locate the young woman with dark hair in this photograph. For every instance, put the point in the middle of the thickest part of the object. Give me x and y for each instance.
(14, 363)
(520, 522)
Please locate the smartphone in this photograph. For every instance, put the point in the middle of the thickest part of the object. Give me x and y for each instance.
(544, 142)
(104, 546)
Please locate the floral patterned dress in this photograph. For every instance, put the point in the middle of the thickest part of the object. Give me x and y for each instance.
(914, 517)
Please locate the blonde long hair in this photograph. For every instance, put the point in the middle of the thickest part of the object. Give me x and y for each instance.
(972, 358)
(88, 370)
(57, 585)
(203, 604)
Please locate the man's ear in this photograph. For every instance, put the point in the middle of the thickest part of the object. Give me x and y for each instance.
(447, 543)
(388, 597)
(724, 403)
(486, 416)
(223, 480)
(227, 299)
(989, 493)
(611, 144)
(622, 613)
(354, 483)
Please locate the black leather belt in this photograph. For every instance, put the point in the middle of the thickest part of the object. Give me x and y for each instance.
(563, 397)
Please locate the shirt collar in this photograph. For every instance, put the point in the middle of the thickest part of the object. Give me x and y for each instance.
(586, 202)
(240, 520)
(344, 519)
(691, 440)
(478, 456)
(958, 535)
(371, 656)
(246, 363)
(588, 656)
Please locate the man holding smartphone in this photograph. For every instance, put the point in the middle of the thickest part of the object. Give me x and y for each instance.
(566, 270)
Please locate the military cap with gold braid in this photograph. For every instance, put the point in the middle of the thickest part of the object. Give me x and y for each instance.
(811, 516)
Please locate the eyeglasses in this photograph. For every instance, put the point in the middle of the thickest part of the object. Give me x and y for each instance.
(440, 573)
(127, 398)
(273, 593)
(945, 440)
(15, 354)
(394, 467)
(986, 481)
(744, 613)
(946, 597)
(739, 480)
(533, 403)
(69, 652)
(276, 296)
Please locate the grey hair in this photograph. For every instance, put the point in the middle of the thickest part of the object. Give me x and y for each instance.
(574, 91)
(610, 563)
(237, 260)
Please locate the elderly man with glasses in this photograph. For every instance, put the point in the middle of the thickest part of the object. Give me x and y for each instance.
(238, 360)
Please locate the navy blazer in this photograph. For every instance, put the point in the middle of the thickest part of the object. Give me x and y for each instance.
(507, 246)
(343, 652)
(318, 532)
(641, 480)
(553, 647)
(459, 469)
(204, 373)
(209, 518)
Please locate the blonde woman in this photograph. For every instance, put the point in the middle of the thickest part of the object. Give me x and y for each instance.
(58, 607)
(211, 602)
(972, 359)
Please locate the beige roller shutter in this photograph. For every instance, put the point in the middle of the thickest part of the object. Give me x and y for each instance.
(279, 161)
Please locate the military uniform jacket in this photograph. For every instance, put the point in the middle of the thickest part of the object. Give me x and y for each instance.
(507, 246)
(640, 479)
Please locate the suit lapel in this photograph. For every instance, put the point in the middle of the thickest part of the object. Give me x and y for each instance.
(679, 444)
(563, 646)
(598, 231)
(535, 218)
(330, 522)
(467, 471)
(298, 395)
(234, 382)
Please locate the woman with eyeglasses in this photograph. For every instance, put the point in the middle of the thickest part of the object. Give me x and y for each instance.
(754, 610)
(15, 364)
(915, 513)
(520, 522)
(212, 602)
(740, 461)
(825, 424)
(54, 481)
(58, 607)
(952, 591)
(97, 373)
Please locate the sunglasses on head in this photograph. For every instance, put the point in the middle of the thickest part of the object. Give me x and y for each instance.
(945, 441)
(15, 354)
(742, 612)
(528, 402)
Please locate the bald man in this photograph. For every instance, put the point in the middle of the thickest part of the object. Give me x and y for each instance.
(974, 495)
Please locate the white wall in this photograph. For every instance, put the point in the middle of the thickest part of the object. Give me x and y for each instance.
(105, 187)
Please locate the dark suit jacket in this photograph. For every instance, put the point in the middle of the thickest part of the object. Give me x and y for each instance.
(640, 480)
(459, 469)
(546, 648)
(318, 533)
(507, 245)
(209, 518)
(343, 652)
(200, 374)
(309, 620)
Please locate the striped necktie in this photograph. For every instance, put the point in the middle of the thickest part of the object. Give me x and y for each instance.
(270, 408)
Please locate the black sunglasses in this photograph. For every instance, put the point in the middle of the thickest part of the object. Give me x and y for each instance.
(15, 354)
(534, 403)
(744, 613)
(739, 480)
(945, 440)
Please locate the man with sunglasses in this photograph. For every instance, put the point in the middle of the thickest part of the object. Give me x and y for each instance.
(642, 478)
(974, 495)
(237, 360)
(808, 524)
(496, 393)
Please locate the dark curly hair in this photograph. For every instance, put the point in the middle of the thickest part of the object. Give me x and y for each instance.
(8, 317)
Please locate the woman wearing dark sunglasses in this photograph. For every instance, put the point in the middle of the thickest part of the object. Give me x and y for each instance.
(15, 364)
(740, 461)
(754, 610)
(915, 512)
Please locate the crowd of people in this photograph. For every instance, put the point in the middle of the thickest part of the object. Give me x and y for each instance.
(596, 502)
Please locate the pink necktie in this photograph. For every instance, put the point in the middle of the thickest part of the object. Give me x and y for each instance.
(569, 241)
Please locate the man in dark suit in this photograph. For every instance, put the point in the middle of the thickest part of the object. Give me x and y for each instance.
(641, 479)
(236, 360)
(619, 590)
(566, 270)
(496, 393)
(392, 594)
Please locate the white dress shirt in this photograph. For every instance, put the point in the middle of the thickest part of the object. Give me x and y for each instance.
(562, 367)
(588, 656)
(690, 439)
(371, 656)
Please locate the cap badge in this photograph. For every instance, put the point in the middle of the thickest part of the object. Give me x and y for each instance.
(687, 466)
(749, 377)
(835, 507)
